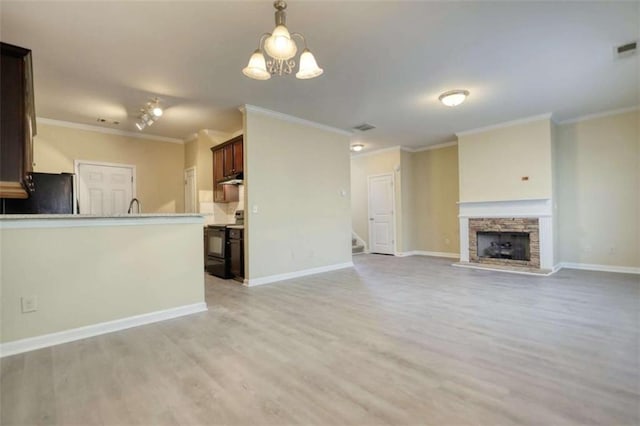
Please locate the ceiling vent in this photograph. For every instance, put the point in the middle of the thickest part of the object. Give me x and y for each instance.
(364, 127)
(627, 49)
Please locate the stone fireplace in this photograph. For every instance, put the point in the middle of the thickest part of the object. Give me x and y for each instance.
(507, 235)
(505, 241)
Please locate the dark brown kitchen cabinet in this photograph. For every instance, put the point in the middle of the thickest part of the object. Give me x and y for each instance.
(17, 121)
(236, 253)
(233, 160)
(222, 193)
(227, 162)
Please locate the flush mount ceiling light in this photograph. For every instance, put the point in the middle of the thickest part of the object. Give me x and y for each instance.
(149, 114)
(280, 48)
(357, 147)
(453, 97)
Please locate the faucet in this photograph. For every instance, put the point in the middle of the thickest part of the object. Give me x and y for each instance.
(135, 200)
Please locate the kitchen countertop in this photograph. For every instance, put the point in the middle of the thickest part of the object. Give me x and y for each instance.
(93, 216)
(235, 226)
(83, 220)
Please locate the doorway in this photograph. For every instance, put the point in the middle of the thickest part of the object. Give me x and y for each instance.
(190, 190)
(105, 189)
(382, 227)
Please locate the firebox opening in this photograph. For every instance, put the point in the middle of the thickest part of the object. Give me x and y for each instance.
(504, 245)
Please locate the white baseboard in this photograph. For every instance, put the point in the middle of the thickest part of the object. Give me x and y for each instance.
(602, 268)
(52, 339)
(289, 275)
(428, 253)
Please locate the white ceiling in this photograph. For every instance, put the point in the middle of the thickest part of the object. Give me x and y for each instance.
(385, 62)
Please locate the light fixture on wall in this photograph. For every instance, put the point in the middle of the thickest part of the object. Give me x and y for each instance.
(357, 147)
(280, 48)
(453, 97)
(149, 114)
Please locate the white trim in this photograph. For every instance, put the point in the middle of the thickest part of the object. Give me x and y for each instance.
(546, 116)
(428, 253)
(482, 267)
(292, 119)
(601, 268)
(376, 152)
(393, 207)
(217, 134)
(97, 129)
(251, 282)
(52, 339)
(82, 221)
(599, 115)
(430, 147)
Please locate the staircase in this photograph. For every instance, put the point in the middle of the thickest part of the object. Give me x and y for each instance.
(357, 247)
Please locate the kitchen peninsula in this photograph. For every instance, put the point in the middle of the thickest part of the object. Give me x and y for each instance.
(67, 277)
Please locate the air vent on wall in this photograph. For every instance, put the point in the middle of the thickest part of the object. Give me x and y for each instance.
(627, 49)
(364, 127)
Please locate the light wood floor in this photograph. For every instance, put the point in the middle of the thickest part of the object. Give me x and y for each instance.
(392, 341)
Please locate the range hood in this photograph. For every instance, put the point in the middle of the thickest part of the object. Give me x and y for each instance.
(236, 179)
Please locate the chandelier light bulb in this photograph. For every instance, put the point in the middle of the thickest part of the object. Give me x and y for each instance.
(157, 111)
(453, 97)
(140, 125)
(308, 66)
(280, 45)
(257, 67)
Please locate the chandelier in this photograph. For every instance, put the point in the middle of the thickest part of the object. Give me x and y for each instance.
(280, 49)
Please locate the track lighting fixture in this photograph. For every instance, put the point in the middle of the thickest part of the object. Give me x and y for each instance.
(149, 114)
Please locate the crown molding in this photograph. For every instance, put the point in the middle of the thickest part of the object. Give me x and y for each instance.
(192, 137)
(292, 119)
(546, 116)
(599, 115)
(97, 129)
(431, 147)
(376, 152)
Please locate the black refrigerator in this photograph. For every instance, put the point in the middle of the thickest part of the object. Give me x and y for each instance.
(52, 194)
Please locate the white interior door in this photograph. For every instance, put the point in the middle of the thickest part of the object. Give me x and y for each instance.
(105, 189)
(190, 194)
(381, 214)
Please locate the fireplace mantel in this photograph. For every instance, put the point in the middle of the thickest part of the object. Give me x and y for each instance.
(541, 209)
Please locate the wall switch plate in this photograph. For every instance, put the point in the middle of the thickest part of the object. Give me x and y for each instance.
(255, 208)
(29, 304)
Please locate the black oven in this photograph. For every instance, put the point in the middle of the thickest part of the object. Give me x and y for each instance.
(218, 251)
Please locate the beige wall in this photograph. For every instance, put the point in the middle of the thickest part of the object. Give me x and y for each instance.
(368, 165)
(434, 198)
(407, 218)
(87, 275)
(598, 190)
(159, 165)
(492, 163)
(295, 174)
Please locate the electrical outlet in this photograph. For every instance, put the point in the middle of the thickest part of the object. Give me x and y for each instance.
(29, 304)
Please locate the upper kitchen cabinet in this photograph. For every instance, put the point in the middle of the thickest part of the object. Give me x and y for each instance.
(233, 160)
(17, 122)
(227, 163)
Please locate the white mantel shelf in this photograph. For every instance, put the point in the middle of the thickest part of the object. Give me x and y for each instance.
(15, 221)
(501, 201)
